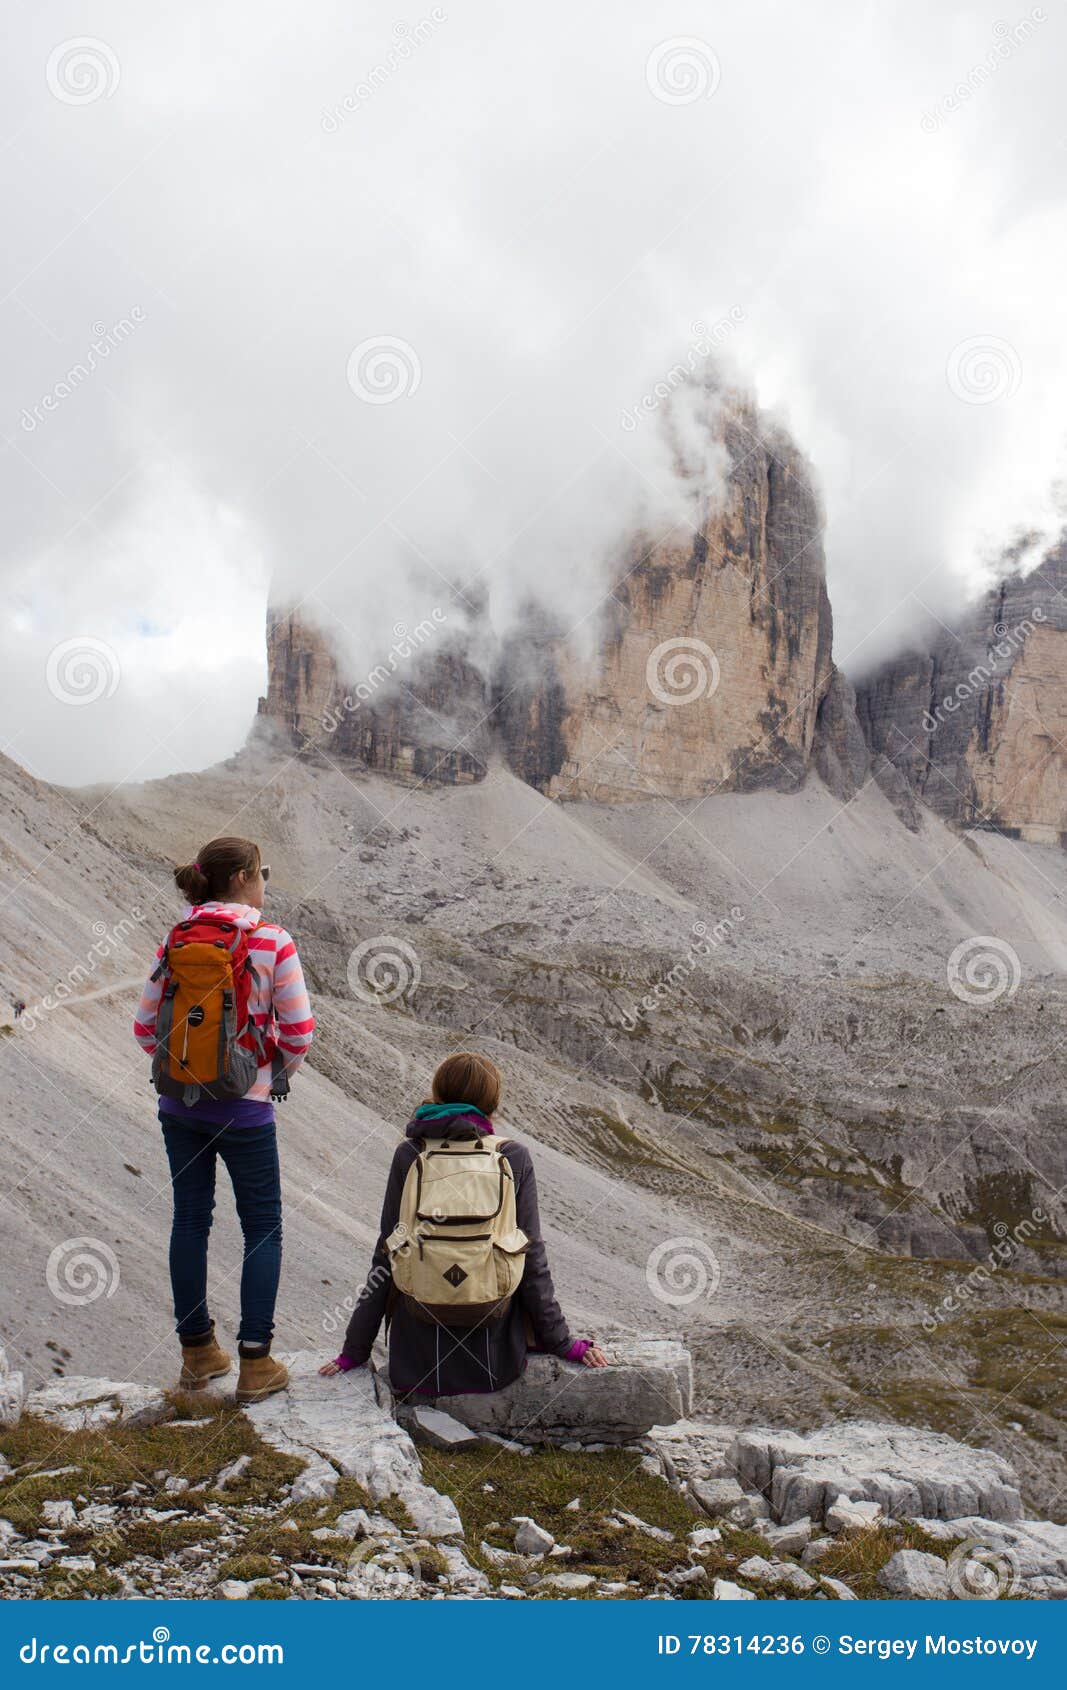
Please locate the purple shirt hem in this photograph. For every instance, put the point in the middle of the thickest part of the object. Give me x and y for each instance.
(235, 1112)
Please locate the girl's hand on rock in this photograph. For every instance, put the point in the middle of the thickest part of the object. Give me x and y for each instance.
(594, 1357)
(328, 1368)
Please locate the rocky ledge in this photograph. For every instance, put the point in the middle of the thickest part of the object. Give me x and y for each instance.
(322, 1493)
(650, 1383)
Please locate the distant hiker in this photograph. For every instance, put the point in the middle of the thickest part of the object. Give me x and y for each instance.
(460, 1272)
(226, 1020)
(18, 1005)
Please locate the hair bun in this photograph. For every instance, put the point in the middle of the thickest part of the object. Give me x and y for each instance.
(192, 881)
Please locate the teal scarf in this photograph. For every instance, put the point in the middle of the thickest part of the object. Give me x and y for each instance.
(443, 1111)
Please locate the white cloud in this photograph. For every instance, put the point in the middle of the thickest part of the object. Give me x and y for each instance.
(507, 198)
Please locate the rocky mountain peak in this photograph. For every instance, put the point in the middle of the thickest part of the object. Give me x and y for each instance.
(712, 659)
(976, 722)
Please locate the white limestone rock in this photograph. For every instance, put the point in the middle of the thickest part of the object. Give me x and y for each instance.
(59, 1514)
(791, 1539)
(724, 1590)
(716, 1496)
(777, 1574)
(233, 1590)
(78, 1404)
(638, 1525)
(340, 1423)
(530, 1538)
(909, 1471)
(97, 1516)
(229, 1475)
(692, 1449)
(12, 1392)
(912, 1574)
(1019, 1549)
(839, 1589)
(442, 1431)
(686, 1575)
(316, 1483)
(569, 1581)
(650, 1381)
(847, 1515)
(353, 1523)
(463, 1578)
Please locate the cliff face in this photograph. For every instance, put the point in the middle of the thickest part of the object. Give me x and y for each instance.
(977, 725)
(420, 713)
(714, 657)
(712, 662)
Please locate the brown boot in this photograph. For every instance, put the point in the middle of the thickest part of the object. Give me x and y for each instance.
(260, 1377)
(203, 1361)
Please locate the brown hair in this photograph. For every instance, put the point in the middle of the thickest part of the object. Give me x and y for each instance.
(216, 865)
(467, 1077)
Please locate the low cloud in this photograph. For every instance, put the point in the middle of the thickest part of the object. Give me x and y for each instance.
(388, 356)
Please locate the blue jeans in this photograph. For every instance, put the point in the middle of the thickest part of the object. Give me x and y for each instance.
(251, 1158)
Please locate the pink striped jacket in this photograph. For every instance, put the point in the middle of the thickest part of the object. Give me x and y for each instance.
(279, 1000)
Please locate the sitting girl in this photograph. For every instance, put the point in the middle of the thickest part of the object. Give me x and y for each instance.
(460, 1343)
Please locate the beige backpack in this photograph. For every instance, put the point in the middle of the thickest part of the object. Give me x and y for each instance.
(456, 1253)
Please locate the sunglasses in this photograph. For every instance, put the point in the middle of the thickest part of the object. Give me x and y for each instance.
(264, 869)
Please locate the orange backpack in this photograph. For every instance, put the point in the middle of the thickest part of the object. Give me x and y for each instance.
(207, 1045)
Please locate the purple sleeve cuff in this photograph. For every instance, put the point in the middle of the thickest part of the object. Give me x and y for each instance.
(346, 1364)
(578, 1349)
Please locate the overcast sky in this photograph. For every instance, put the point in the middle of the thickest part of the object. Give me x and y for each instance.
(360, 301)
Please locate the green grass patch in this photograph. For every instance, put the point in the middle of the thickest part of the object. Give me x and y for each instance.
(541, 1484)
(107, 1462)
(58, 1584)
(858, 1557)
(277, 1535)
(619, 1143)
(246, 1567)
